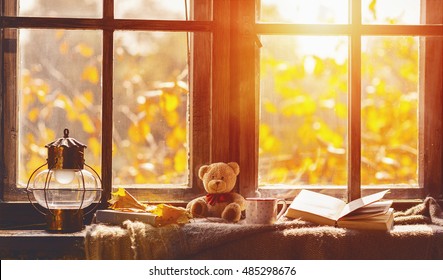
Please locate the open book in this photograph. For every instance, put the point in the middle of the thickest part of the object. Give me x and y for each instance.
(369, 212)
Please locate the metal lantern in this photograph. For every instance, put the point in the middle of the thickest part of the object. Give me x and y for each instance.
(65, 188)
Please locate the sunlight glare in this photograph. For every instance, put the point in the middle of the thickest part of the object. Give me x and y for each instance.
(310, 12)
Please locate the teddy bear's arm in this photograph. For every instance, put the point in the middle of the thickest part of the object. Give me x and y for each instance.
(198, 207)
(240, 200)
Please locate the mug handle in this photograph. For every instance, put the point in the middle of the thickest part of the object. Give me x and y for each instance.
(283, 209)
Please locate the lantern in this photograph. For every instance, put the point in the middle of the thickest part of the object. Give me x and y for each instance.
(65, 188)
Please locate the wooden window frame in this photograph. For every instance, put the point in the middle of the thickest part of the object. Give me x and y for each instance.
(430, 157)
(225, 115)
(14, 202)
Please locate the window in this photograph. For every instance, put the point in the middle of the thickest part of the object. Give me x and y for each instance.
(132, 85)
(345, 87)
(289, 91)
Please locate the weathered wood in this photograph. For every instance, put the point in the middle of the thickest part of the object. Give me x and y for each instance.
(430, 105)
(105, 24)
(354, 103)
(221, 81)
(345, 29)
(41, 245)
(200, 134)
(244, 116)
(10, 106)
(107, 103)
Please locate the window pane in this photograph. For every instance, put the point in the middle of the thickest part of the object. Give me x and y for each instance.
(57, 8)
(152, 9)
(303, 110)
(59, 87)
(302, 11)
(150, 108)
(391, 11)
(389, 110)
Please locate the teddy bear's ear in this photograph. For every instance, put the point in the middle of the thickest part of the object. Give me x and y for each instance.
(203, 169)
(235, 167)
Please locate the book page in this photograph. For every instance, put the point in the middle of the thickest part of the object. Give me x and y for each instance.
(318, 204)
(383, 222)
(358, 203)
(370, 210)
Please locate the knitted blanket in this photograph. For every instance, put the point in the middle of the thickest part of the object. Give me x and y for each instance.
(417, 234)
(136, 240)
(428, 212)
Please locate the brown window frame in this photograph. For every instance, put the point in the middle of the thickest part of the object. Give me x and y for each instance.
(430, 104)
(225, 112)
(14, 202)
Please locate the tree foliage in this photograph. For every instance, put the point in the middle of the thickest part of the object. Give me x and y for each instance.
(303, 127)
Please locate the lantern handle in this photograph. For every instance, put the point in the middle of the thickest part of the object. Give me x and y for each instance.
(28, 191)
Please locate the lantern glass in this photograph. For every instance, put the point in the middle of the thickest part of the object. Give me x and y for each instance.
(65, 189)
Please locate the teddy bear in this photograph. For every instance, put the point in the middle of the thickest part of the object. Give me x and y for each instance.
(220, 201)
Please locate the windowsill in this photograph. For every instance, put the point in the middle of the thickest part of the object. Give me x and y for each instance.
(404, 242)
(40, 244)
(36, 243)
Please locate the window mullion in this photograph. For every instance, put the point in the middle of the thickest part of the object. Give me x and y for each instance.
(354, 103)
(9, 105)
(200, 95)
(430, 103)
(221, 81)
(107, 96)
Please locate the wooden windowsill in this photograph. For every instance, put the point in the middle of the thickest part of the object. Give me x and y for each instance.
(40, 244)
(33, 244)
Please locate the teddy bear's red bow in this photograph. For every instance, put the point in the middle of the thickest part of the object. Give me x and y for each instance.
(213, 198)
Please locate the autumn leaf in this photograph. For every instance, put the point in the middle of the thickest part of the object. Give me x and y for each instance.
(168, 214)
(84, 50)
(90, 74)
(372, 8)
(87, 124)
(181, 160)
(94, 146)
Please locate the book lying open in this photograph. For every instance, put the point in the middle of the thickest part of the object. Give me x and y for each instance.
(369, 212)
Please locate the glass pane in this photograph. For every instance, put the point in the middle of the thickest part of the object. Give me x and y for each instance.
(391, 11)
(152, 9)
(390, 81)
(57, 8)
(150, 108)
(59, 87)
(302, 11)
(303, 110)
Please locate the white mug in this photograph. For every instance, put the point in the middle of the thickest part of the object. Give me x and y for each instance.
(263, 210)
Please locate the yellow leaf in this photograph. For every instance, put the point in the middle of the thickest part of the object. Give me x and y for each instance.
(91, 74)
(84, 50)
(181, 160)
(123, 200)
(172, 118)
(94, 146)
(270, 107)
(84, 100)
(63, 48)
(119, 192)
(33, 114)
(168, 214)
(88, 125)
(138, 132)
(59, 34)
(169, 102)
(177, 138)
